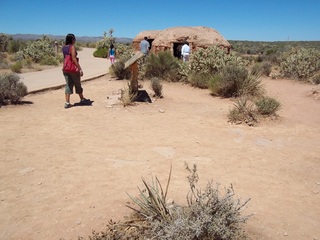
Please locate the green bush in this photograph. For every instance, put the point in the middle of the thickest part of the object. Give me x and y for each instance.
(235, 81)
(101, 53)
(263, 68)
(162, 65)
(11, 89)
(213, 84)
(229, 78)
(49, 61)
(200, 80)
(16, 67)
(267, 106)
(119, 71)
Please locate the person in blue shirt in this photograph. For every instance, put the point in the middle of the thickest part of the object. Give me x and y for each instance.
(112, 53)
(144, 46)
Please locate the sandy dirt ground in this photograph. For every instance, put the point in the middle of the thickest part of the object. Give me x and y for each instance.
(65, 172)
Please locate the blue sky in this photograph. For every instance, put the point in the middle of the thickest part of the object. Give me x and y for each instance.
(253, 20)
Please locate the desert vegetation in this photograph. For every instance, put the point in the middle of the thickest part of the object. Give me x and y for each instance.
(210, 213)
(12, 90)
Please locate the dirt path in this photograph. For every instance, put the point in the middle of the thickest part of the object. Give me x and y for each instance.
(66, 172)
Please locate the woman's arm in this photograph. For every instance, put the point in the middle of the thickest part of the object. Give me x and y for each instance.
(75, 59)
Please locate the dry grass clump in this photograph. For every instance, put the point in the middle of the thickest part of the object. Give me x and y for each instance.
(156, 86)
(248, 111)
(210, 214)
(127, 96)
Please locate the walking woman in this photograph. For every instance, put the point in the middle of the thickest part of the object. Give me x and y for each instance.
(73, 79)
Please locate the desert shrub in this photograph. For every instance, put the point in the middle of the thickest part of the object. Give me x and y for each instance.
(162, 65)
(251, 85)
(236, 81)
(101, 53)
(316, 79)
(117, 68)
(263, 68)
(267, 105)
(4, 64)
(127, 95)
(300, 64)
(200, 80)
(11, 89)
(18, 56)
(119, 71)
(213, 84)
(38, 49)
(49, 60)
(156, 86)
(210, 214)
(16, 67)
(213, 60)
(243, 111)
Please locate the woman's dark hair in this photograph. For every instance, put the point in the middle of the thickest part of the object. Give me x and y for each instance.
(111, 45)
(69, 38)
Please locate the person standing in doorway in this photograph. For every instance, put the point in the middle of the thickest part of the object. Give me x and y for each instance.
(185, 51)
(144, 46)
(72, 79)
(112, 53)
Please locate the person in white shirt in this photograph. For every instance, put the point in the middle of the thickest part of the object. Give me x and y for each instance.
(185, 52)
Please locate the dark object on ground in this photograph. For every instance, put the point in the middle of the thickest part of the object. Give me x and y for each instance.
(143, 96)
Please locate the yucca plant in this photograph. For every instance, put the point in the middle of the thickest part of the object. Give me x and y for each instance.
(243, 112)
(250, 85)
(153, 201)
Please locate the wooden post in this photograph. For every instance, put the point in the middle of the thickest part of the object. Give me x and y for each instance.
(134, 77)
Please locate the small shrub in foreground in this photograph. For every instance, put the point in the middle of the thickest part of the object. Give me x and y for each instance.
(16, 67)
(156, 86)
(267, 106)
(127, 97)
(11, 89)
(210, 214)
(243, 112)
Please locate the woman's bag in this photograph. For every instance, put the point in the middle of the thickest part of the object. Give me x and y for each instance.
(68, 65)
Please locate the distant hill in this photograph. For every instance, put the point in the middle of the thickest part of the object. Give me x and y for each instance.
(60, 37)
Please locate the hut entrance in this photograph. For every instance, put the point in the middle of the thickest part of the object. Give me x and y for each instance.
(177, 49)
(150, 42)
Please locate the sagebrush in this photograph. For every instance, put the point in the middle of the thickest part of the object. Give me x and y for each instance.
(11, 89)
